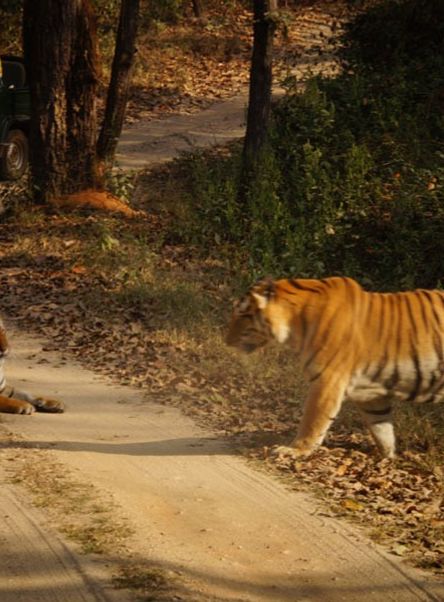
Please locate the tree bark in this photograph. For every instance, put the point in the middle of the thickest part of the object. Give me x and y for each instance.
(120, 82)
(197, 9)
(61, 57)
(259, 103)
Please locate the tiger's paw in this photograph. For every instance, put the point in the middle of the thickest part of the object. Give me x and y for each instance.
(43, 404)
(22, 407)
(290, 453)
(15, 406)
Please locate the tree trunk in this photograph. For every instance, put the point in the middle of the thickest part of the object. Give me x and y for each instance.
(259, 103)
(120, 82)
(60, 48)
(197, 9)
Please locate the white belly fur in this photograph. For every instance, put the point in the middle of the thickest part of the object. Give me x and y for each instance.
(362, 389)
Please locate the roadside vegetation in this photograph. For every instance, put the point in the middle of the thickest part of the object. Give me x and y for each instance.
(350, 183)
(352, 180)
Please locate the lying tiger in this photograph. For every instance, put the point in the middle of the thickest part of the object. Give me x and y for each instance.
(19, 402)
(367, 348)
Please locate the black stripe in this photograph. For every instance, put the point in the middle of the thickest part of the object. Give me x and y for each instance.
(315, 377)
(414, 351)
(428, 326)
(304, 325)
(322, 342)
(418, 378)
(437, 345)
(437, 339)
(422, 306)
(391, 382)
(432, 381)
(297, 284)
(374, 377)
(431, 299)
(430, 399)
(370, 299)
(411, 316)
(325, 367)
(382, 316)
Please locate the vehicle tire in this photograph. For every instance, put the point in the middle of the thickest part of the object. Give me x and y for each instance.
(14, 160)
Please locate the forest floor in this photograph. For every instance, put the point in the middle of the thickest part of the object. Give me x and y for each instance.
(125, 484)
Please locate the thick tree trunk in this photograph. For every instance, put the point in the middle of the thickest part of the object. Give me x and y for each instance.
(81, 118)
(259, 104)
(60, 48)
(120, 81)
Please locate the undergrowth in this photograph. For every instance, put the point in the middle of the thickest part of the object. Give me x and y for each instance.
(351, 180)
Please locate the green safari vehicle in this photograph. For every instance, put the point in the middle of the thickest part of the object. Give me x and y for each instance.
(15, 108)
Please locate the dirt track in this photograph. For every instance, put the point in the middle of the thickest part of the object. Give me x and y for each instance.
(222, 529)
(160, 140)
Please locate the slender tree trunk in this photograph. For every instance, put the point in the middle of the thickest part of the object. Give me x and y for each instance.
(60, 48)
(120, 81)
(198, 9)
(259, 104)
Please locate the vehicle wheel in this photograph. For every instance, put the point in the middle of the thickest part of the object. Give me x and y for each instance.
(14, 160)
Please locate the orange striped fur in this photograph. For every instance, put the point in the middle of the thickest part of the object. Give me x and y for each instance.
(367, 348)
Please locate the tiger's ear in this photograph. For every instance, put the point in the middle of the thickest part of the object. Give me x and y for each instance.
(263, 291)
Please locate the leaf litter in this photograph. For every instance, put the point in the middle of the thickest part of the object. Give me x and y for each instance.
(83, 313)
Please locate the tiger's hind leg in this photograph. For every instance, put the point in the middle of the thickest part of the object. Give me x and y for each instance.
(377, 416)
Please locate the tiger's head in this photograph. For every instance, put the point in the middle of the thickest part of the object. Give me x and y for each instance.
(252, 325)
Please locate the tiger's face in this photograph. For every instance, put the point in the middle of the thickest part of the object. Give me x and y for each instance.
(249, 328)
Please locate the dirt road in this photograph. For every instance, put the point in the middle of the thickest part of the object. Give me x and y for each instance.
(222, 529)
(159, 140)
(155, 141)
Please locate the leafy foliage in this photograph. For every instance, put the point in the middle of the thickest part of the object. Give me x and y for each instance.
(351, 180)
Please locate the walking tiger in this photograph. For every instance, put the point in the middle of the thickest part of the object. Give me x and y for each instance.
(367, 348)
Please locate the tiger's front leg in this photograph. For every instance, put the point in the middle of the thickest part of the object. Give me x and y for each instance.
(321, 407)
(41, 404)
(11, 405)
(21, 402)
